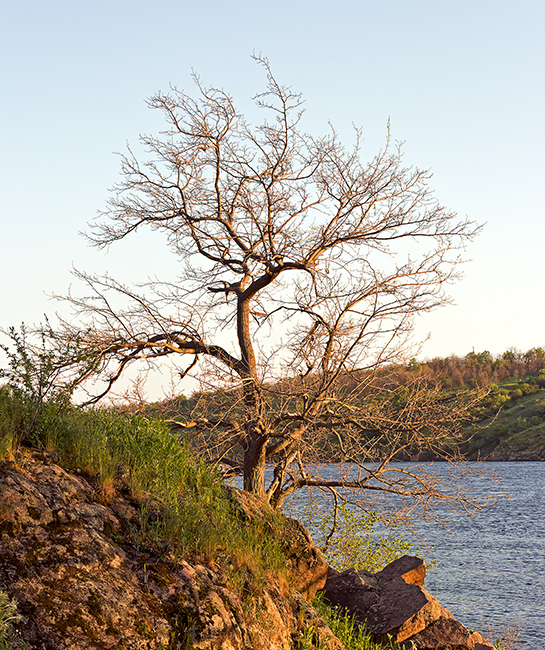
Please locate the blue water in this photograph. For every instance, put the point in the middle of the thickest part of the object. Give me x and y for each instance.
(490, 568)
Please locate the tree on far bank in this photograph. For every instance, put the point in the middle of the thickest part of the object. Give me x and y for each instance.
(302, 269)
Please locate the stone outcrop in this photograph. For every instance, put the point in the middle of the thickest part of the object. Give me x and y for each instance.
(448, 631)
(83, 580)
(393, 604)
(82, 583)
(307, 565)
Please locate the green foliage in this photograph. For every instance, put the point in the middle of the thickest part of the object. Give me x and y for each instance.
(33, 375)
(12, 420)
(356, 543)
(8, 616)
(353, 539)
(344, 626)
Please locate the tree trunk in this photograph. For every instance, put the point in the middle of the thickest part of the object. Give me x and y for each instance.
(254, 466)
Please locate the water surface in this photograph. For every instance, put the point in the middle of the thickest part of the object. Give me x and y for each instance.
(490, 568)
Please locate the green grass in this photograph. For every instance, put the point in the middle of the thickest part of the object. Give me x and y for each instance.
(519, 426)
(344, 626)
(183, 500)
(9, 616)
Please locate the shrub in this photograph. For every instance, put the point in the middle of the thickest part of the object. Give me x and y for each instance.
(355, 540)
(33, 376)
(8, 616)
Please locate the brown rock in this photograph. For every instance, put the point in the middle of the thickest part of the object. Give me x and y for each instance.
(355, 590)
(390, 602)
(411, 569)
(74, 586)
(446, 633)
(402, 609)
(81, 583)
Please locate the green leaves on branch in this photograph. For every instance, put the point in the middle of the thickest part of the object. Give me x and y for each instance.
(35, 375)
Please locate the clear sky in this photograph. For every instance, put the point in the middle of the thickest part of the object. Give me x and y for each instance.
(463, 83)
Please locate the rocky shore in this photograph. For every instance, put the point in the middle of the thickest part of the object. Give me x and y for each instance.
(82, 582)
(511, 454)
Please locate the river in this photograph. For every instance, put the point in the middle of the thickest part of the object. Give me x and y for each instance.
(490, 568)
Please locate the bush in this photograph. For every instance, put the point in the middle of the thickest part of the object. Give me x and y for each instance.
(33, 376)
(355, 541)
(8, 616)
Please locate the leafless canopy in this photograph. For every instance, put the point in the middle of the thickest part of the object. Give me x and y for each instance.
(302, 268)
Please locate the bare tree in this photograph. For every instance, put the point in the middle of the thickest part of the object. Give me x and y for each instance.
(301, 271)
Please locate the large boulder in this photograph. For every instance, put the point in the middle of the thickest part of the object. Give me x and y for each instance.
(390, 603)
(393, 604)
(402, 609)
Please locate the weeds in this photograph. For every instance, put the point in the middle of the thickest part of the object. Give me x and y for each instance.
(345, 627)
(8, 616)
(507, 636)
(183, 501)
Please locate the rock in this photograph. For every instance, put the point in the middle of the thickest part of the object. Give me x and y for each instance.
(81, 581)
(393, 604)
(402, 609)
(411, 569)
(306, 562)
(355, 590)
(446, 633)
(390, 602)
(308, 567)
(75, 587)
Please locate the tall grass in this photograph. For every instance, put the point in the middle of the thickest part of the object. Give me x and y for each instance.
(344, 626)
(182, 500)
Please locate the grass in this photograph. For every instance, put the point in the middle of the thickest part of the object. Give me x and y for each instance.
(344, 626)
(519, 426)
(8, 617)
(183, 501)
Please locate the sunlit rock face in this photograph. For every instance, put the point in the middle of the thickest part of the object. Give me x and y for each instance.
(393, 604)
(81, 581)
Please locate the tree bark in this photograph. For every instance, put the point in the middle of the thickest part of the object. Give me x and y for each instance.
(254, 465)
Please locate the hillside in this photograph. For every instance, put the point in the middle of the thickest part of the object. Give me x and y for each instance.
(84, 569)
(87, 571)
(516, 432)
(509, 418)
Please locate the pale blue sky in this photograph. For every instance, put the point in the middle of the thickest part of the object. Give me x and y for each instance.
(462, 82)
